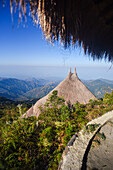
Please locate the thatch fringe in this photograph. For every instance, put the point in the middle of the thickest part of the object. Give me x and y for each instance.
(87, 22)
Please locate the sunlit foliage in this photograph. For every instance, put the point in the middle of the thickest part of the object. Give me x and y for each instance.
(29, 143)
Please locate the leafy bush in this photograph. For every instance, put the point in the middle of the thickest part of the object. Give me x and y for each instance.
(19, 146)
(23, 145)
(108, 98)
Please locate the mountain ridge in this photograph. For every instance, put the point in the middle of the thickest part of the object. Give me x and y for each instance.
(17, 89)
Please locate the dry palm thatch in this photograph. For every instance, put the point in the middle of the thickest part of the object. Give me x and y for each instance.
(71, 88)
(86, 22)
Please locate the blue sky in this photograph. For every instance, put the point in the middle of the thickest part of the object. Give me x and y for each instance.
(25, 53)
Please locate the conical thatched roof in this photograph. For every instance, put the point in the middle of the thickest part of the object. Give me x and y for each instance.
(86, 22)
(72, 89)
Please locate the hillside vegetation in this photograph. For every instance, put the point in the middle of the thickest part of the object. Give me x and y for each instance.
(9, 109)
(28, 143)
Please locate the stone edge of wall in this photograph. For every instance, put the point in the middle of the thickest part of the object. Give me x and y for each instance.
(72, 157)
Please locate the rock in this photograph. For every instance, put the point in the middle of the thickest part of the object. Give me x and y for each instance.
(101, 156)
(75, 156)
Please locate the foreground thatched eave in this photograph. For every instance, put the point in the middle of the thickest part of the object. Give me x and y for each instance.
(86, 22)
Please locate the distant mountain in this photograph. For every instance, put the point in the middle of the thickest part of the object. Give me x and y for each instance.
(33, 89)
(38, 92)
(13, 88)
(16, 89)
(99, 87)
(4, 99)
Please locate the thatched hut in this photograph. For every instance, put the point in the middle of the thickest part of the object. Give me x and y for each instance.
(88, 23)
(71, 88)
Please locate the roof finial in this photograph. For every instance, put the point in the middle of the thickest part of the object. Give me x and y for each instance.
(74, 70)
(75, 73)
(69, 75)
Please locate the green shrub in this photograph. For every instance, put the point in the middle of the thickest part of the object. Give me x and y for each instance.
(23, 145)
(19, 147)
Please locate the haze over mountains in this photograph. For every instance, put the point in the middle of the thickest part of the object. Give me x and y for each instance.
(16, 89)
(99, 87)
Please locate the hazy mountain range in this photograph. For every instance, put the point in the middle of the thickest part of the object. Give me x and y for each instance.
(16, 89)
(33, 89)
(99, 87)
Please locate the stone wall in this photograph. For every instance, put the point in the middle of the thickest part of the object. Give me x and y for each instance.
(78, 153)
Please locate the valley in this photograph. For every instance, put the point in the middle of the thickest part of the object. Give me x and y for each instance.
(33, 89)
